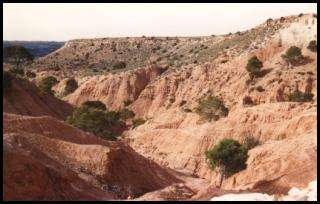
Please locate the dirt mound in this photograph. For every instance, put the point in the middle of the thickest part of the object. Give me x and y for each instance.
(23, 97)
(31, 175)
(111, 166)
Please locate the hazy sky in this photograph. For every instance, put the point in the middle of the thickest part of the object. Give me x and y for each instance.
(62, 22)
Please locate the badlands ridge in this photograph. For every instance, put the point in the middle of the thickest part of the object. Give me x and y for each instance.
(45, 158)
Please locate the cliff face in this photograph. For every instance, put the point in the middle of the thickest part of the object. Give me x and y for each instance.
(113, 90)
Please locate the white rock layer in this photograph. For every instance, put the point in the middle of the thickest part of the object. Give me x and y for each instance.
(295, 194)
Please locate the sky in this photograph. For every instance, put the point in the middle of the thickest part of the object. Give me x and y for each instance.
(62, 22)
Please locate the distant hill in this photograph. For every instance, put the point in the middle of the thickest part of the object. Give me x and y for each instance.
(36, 48)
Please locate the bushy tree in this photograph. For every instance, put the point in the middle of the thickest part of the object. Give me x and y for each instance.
(71, 86)
(47, 83)
(254, 66)
(126, 114)
(312, 46)
(212, 108)
(95, 121)
(16, 55)
(293, 54)
(95, 104)
(229, 153)
(137, 122)
(127, 102)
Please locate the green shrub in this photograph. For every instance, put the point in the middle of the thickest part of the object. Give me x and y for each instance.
(212, 108)
(114, 115)
(95, 104)
(137, 122)
(119, 65)
(230, 153)
(292, 54)
(254, 66)
(71, 86)
(7, 80)
(127, 102)
(95, 121)
(312, 46)
(187, 110)
(250, 142)
(299, 96)
(47, 83)
(126, 114)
